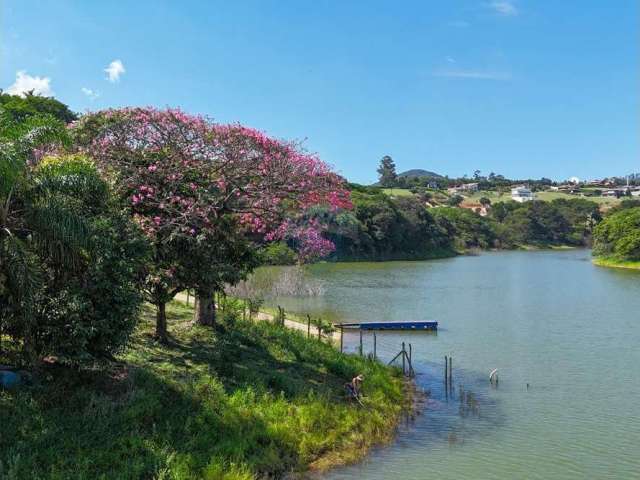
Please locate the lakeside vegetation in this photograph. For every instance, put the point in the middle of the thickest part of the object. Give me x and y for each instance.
(617, 238)
(135, 204)
(242, 401)
(381, 227)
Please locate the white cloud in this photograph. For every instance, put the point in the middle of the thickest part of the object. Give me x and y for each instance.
(504, 7)
(450, 59)
(90, 93)
(473, 74)
(114, 70)
(26, 83)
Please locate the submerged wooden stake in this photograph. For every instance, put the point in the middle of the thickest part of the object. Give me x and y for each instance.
(446, 368)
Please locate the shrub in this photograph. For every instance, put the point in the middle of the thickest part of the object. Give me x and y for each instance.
(84, 266)
(618, 235)
(278, 253)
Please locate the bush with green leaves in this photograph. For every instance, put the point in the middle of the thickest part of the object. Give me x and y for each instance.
(618, 236)
(278, 253)
(71, 263)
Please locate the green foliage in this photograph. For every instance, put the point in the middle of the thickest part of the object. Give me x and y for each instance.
(253, 401)
(455, 200)
(618, 236)
(381, 227)
(14, 108)
(469, 229)
(387, 172)
(559, 222)
(70, 264)
(278, 253)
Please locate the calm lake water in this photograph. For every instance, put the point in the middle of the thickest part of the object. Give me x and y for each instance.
(548, 319)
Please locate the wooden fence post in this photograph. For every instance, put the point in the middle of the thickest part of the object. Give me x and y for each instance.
(404, 358)
(341, 337)
(319, 328)
(308, 325)
(361, 342)
(375, 346)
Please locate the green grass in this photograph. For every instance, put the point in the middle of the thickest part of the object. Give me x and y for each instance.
(246, 401)
(614, 263)
(496, 197)
(397, 192)
(546, 196)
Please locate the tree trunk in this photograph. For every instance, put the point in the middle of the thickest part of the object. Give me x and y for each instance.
(205, 308)
(161, 322)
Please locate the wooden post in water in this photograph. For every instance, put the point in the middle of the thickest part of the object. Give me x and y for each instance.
(341, 337)
(411, 372)
(375, 346)
(360, 341)
(308, 325)
(450, 371)
(404, 359)
(446, 368)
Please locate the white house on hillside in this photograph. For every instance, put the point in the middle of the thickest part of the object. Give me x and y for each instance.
(522, 194)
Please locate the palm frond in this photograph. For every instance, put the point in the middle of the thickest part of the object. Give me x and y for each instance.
(57, 231)
(22, 271)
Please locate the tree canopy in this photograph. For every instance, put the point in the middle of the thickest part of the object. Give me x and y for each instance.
(186, 180)
(387, 172)
(618, 236)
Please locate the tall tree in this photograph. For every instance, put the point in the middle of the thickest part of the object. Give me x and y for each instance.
(187, 180)
(387, 172)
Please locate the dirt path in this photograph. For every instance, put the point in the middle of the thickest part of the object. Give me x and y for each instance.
(263, 316)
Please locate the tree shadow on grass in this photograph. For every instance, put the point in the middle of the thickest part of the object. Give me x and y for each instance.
(97, 426)
(206, 399)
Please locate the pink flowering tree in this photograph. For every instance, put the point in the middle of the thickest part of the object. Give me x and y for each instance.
(203, 192)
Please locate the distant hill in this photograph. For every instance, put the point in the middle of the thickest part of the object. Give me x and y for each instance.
(417, 172)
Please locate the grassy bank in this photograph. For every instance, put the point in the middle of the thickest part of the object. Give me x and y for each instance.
(432, 254)
(613, 263)
(243, 402)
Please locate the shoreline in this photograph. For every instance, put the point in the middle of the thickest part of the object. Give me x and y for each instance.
(412, 406)
(611, 263)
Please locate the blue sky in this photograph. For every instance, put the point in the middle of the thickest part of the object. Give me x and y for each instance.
(518, 87)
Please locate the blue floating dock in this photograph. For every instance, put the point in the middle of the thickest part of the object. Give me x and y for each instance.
(411, 325)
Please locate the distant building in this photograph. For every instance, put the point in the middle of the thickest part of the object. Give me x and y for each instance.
(620, 192)
(574, 180)
(522, 194)
(465, 187)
